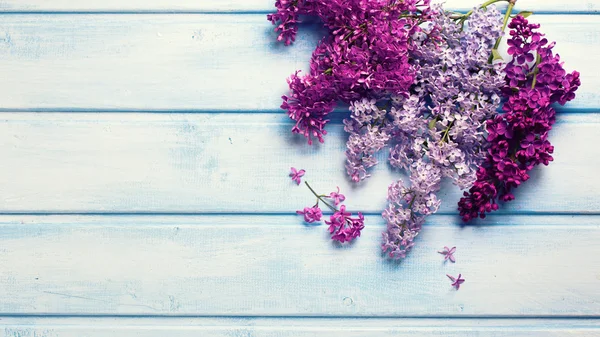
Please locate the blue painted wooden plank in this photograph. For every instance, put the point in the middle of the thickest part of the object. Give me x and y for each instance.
(199, 163)
(236, 265)
(247, 5)
(294, 327)
(192, 62)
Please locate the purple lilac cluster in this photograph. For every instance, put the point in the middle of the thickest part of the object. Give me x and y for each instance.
(343, 227)
(369, 131)
(438, 131)
(423, 84)
(366, 55)
(535, 79)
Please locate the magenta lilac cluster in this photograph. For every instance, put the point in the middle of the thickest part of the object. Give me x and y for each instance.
(437, 131)
(365, 55)
(518, 138)
(343, 226)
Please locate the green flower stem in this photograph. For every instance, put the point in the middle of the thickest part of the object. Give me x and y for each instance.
(410, 206)
(412, 201)
(464, 17)
(536, 71)
(445, 137)
(495, 54)
(511, 5)
(320, 197)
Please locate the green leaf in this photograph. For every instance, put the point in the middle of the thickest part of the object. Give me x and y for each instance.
(525, 13)
(432, 123)
(496, 55)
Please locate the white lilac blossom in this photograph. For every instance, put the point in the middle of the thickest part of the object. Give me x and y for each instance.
(437, 131)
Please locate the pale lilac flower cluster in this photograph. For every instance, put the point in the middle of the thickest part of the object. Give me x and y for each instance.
(368, 134)
(407, 210)
(437, 130)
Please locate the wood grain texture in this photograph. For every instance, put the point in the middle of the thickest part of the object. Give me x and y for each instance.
(294, 327)
(192, 62)
(240, 265)
(247, 5)
(159, 133)
(203, 163)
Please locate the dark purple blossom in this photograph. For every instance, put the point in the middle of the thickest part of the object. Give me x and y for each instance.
(519, 137)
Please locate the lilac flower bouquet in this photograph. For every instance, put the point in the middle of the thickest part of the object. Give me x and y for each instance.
(427, 84)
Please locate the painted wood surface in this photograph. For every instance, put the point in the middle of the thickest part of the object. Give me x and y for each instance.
(293, 327)
(144, 190)
(543, 6)
(193, 62)
(202, 163)
(239, 265)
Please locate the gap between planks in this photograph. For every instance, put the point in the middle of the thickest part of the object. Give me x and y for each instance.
(90, 163)
(183, 62)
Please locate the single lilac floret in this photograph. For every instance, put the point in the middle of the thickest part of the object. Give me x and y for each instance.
(456, 281)
(296, 175)
(448, 254)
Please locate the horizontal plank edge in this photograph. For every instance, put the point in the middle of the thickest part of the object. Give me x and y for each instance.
(243, 6)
